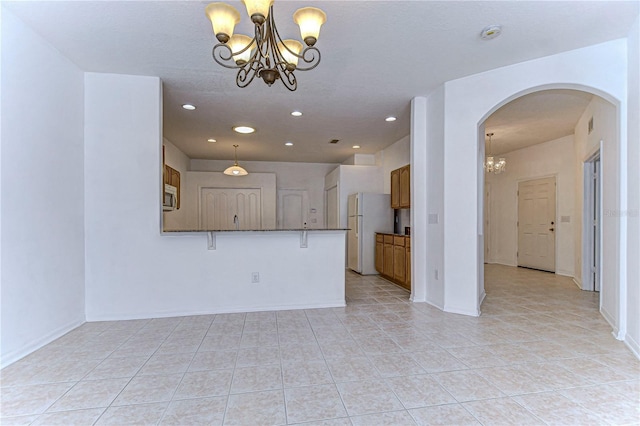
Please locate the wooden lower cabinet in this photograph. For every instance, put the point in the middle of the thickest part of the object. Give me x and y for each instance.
(393, 258)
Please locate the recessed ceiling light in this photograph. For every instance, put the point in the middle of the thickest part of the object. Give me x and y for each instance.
(356, 147)
(288, 143)
(296, 113)
(390, 118)
(490, 31)
(189, 107)
(244, 129)
(211, 140)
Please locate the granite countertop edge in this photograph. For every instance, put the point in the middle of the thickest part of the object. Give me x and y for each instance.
(254, 230)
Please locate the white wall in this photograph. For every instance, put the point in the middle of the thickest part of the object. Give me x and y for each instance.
(309, 176)
(553, 158)
(605, 130)
(42, 192)
(177, 160)
(132, 271)
(352, 179)
(633, 190)
(600, 69)
(393, 157)
(193, 182)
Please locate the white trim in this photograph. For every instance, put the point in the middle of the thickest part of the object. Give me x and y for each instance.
(577, 282)
(34, 345)
(222, 310)
(461, 311)
(632, 345)
(565, 273)
(611, 320)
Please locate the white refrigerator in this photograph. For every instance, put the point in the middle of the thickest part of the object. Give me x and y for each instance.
(368, 213)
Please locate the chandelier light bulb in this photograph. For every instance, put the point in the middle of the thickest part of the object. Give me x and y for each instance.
(223, 19)
(239, 45)
(258, 10)
(309, 19)
(290, 50)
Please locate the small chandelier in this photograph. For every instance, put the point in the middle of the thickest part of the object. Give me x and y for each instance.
(235, 170)
(265, 55)
(490, 165)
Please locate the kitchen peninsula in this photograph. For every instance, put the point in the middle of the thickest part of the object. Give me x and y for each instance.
(275, 269)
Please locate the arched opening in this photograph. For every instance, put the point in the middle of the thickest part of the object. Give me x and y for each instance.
(548, 211)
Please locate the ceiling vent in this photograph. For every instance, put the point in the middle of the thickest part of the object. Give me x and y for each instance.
(334, 141)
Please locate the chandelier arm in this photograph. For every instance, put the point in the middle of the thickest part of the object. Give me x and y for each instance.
(221, 52)
(310, 55)
(247, 73)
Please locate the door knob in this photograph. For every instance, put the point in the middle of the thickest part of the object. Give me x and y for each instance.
(550, 229)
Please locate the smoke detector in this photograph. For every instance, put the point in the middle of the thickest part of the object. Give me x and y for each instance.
(491, 31)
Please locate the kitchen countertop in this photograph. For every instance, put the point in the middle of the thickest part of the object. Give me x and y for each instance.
(260, 230)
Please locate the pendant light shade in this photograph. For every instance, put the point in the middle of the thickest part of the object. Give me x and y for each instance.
(235, 170)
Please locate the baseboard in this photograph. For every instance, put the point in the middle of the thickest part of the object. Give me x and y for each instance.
(461, 311)
(16, 355)
(435, 305)
(577, 282)
(482, 297)
(632, 345)
(502, 262)
(608, 318)
(168, 314)
(565, 273)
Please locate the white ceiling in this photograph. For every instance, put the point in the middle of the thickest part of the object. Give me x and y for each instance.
(376, 56)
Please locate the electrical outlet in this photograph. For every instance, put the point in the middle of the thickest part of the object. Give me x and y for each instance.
(255, 277)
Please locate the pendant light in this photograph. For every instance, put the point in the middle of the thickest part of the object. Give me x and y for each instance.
(235, 170)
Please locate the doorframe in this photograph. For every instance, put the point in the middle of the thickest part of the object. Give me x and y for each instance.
(486, 217)
(555, 237)
(588, 241)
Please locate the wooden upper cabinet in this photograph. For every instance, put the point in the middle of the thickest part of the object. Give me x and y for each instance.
(400, 188)
(172, 177)
(395, 189)
(405, 187)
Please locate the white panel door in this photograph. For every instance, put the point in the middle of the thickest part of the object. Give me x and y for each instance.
(230, 208)
(293, 208)
(354, 260)
(537, 224)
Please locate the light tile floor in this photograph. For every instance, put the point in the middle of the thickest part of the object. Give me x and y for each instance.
(539, 354)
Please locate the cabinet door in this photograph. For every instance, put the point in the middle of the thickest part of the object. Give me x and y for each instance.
(408, 263)
(388, 260)
(380, 257)
(399, 263)
(405, 187)
(395, 189)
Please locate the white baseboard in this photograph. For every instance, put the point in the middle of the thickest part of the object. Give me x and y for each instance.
(565, 273)
(146, 315)
(632, 345)
(577, 282)
(461, 311)
(435, 305)
(611, 320)
(34, 345)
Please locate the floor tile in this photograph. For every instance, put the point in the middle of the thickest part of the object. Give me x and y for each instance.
(139, 415)
(256, 408)
(467, 386)
(32, 399)
(201, 411)
(368, 397)
(444, 415)
(258, 378)
(65, 418)
(501, 411)
(349, 369)
(146, 389)
(419, 391)
(200, 384)
(313, 403)
(90, 394)
(395, 418)
(214, 360)
(116, 367)
(305, 373)
(391, 365)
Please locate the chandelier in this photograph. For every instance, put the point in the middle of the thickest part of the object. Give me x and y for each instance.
(235, 170)
(265, 55)
(490, 165)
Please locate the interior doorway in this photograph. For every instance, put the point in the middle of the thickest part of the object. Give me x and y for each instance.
(537, 224)
(592, 242)
(230, 208)
(293, 208)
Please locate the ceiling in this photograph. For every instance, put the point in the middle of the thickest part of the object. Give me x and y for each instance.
(376, 56)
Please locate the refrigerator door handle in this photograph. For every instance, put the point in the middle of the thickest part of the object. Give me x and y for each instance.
(357, 231)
